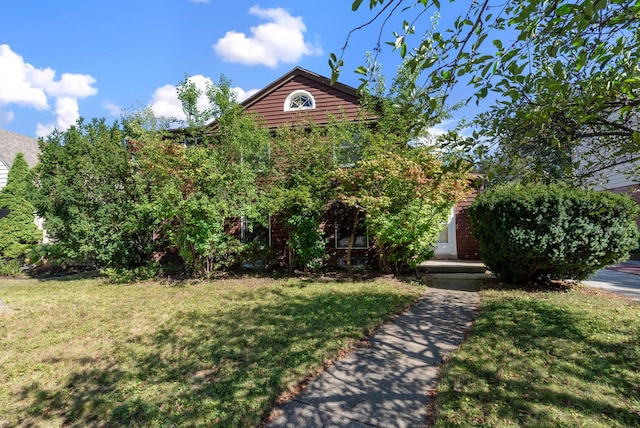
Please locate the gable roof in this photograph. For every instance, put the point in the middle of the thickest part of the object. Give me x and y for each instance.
(11, 144)
(296, 72)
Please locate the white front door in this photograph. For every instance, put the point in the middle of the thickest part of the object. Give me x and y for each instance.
(446, 245)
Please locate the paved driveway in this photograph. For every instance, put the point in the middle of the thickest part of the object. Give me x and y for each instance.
(626, 284)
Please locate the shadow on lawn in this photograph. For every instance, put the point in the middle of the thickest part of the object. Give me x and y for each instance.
(532, 364)
(211, 369)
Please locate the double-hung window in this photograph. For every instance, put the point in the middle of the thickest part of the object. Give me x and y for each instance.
(345, 217)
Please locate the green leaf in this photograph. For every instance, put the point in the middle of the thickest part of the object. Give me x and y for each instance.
(581, 61)
(559, 71)
(565, 9)
(362, 70)
(356, 5)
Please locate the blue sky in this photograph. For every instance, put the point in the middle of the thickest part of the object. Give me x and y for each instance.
(93, 58)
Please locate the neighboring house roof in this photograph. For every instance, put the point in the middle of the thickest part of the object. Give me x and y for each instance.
(11, 144)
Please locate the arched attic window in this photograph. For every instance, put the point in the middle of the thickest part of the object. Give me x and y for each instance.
(299, 100)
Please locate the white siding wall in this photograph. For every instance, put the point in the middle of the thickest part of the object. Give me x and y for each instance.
(4, 173)
(618, 179)
(621, 175)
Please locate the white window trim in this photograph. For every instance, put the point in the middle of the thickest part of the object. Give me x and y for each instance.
(287, 101)
(449, 249)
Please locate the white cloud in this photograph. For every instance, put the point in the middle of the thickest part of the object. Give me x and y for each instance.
(442, 128)
(281, 40)
(25, 85)
(165, 102)
(6, 117)
(72, 85)
(44, 130)
(112, 108)
(242, 95)
(18, 80)
(67, 112)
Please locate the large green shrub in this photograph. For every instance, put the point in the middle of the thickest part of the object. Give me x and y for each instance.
(539, 233)
(90, 197)
(18, 231)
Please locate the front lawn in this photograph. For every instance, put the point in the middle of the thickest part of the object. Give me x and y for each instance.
(542, 359)
(80, 352)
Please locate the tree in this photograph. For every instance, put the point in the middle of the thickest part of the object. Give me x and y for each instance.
(300, 186)
(20, 179)
(203, 177)
(19, 231)
(89, 196)
(403, 183)
(564, 74)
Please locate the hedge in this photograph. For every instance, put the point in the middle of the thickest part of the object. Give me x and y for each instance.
(539, 233)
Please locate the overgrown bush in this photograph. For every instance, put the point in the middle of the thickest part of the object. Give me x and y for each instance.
(92, 201)
(541, 233)
(305, 241)
(10, 267)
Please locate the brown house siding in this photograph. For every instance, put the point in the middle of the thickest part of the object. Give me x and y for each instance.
(328, 99)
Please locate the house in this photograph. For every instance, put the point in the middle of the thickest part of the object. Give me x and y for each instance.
(10, 145)
(302, 92)
(613, 172)
(621, 180)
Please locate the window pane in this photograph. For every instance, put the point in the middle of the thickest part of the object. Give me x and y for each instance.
(347, 154)
(300, 101)
(253, 232)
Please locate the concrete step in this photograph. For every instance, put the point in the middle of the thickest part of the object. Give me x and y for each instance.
(453, 266)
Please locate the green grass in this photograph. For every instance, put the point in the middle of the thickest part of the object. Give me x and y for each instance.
(80, 352)
(542, 359)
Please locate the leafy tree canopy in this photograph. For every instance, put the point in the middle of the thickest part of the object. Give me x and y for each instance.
(88, 195)
(565, 75)
(204, 176)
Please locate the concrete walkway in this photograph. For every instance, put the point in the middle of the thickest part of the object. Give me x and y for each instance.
(386, 384)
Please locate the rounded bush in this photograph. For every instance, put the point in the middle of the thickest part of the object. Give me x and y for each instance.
(538, 233)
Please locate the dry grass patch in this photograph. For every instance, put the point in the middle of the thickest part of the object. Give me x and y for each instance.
(80, 352)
